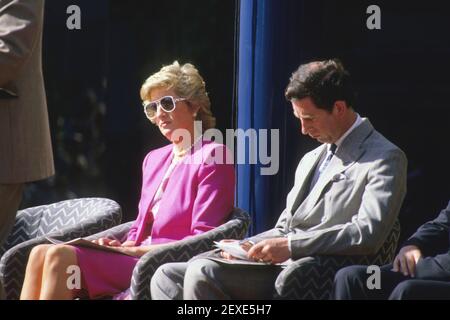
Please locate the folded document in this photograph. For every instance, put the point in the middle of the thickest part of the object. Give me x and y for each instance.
(232, 247)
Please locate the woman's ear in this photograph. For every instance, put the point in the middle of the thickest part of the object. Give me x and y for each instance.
(195, 110)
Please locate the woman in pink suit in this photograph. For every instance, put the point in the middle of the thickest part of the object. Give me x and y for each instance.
(187, 189)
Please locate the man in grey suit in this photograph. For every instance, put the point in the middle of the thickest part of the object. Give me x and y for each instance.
(25, 145)
(346, 197)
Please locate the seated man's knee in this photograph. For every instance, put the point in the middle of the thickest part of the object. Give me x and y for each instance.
(350, 283)
(351, 274)
(160, 282)
(200, 280)
(199, 270)
(167, 281)
(408, 289)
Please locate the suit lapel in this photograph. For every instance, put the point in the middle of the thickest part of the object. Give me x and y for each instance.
(156, 171)
(347, 154)
(303, 184)
(335, 167)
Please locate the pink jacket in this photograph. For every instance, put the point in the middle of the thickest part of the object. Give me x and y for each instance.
(199, 195)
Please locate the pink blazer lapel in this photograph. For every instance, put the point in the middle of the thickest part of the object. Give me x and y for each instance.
(153, 174)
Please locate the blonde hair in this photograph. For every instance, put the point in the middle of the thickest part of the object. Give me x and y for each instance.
(186, 82)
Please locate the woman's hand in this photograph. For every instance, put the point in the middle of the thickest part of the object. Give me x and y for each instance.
(129, 243)
(107, 242)
(135, 251)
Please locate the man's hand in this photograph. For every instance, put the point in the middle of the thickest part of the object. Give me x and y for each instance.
(275, 250)
(246, 246)
(406, 260)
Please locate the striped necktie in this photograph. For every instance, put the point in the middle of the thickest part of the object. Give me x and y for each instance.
(323, 166)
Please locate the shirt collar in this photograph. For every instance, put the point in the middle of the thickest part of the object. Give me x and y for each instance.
(339, 141)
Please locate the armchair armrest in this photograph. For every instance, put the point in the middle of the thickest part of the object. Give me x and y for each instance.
(183, 250)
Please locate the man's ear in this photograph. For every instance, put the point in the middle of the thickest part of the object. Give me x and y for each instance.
(340, 107)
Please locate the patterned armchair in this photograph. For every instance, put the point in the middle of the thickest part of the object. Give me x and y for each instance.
(181, 251)
(312, 277)
(178, 251)
(63, 220)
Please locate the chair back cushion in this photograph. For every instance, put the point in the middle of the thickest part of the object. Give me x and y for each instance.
(41, 220)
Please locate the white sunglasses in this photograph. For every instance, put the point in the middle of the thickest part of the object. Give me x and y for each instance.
(167, 103)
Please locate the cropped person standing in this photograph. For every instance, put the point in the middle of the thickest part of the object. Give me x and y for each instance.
(25, 144)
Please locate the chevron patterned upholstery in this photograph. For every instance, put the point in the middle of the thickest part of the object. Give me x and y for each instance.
(183, 250)
(178, 251)
(63, 220)
(312, 277)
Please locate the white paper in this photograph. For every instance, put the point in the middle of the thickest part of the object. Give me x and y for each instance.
(233, 248)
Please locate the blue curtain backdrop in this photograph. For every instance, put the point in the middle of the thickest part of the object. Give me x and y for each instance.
(267, 55)
(274, 37)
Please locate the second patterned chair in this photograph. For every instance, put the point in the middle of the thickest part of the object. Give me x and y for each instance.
(311, 278)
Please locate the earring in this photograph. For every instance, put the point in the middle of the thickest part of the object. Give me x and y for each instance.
(195, 115)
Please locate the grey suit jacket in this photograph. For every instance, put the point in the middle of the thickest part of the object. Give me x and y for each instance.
(353, 205)
(25, 145)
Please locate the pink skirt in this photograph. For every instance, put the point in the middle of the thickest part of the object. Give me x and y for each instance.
(104, 274)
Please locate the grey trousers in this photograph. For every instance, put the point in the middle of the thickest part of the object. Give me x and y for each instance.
(431, 282)
(206, 279)
(10, 197)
